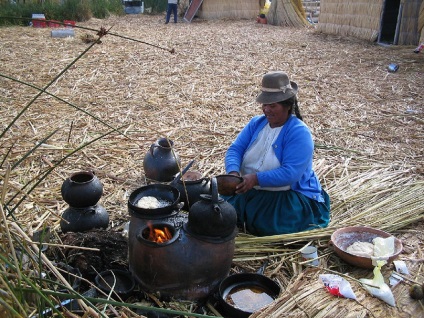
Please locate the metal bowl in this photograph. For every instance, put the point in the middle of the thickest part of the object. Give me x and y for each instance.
(342, 238)
(227, 183)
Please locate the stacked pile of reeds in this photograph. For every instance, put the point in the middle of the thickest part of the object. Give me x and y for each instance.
(288, 13)
(384, 198)
(229, 9)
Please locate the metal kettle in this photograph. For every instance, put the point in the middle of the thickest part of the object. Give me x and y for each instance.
(212, 216)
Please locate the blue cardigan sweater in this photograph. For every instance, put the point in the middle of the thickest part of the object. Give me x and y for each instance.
(294, 149)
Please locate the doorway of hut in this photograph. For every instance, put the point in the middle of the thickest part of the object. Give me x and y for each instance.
(390, 22)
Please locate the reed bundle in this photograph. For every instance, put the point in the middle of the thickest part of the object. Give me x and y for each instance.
(287, 13)
(381, 198)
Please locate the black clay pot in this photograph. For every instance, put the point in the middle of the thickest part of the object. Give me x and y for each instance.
(161, 163)
(119, 281)
(212, 216)
(191, 191)
(84, 219)
(191, 185)
(82, 189)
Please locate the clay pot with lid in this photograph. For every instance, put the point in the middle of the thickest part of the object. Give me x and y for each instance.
(192, 187)
(212, 216)
(161, 163)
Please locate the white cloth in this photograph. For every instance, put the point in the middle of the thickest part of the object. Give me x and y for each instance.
(261, 157)
(173, 1)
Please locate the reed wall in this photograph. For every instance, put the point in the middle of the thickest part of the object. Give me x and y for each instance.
(362, 19)
(409, 34)
(231, 9)
(358, 18)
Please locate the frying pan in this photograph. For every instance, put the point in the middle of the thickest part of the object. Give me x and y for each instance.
(161, 192)
(257, 289)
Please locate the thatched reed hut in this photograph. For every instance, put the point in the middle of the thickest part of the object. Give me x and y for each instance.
(386, 21)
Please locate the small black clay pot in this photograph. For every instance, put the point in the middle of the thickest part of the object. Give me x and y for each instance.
(72, 276)
(121, 282)
(82, 189)
(84, 219)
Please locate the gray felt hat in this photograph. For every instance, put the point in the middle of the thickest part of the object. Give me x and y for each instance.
(276, 87)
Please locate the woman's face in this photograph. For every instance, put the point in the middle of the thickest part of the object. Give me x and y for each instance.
(276, 114)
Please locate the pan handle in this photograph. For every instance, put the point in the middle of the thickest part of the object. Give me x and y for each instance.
(261, 270)
(179, 175)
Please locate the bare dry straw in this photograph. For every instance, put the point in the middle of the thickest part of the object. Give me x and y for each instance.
(367, 124)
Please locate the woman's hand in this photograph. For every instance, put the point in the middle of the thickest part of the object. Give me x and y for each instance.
(249, 181)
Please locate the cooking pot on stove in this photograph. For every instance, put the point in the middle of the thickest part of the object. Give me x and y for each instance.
(163, 193)
(191, 185)
(212, 216)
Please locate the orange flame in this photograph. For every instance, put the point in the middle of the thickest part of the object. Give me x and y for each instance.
(159, 234)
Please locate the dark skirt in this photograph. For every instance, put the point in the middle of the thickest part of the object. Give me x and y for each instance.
(265, 213)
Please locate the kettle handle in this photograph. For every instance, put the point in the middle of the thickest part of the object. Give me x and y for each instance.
(215, 198)
(152, 146)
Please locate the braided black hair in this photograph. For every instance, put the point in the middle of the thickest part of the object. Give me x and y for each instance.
(294, 106)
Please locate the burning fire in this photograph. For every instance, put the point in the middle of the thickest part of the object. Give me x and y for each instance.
(159, 234)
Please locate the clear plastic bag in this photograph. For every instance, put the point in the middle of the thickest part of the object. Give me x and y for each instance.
(337, 286)
(382, 290)
(383, 249)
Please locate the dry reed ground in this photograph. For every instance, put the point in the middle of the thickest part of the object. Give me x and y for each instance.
(363, 118)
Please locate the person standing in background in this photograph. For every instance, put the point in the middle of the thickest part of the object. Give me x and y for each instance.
(172, 8)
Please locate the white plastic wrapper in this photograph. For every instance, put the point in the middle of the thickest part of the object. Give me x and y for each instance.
(382, 290)
(401, 267)
(395, 279)
(337, 286)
